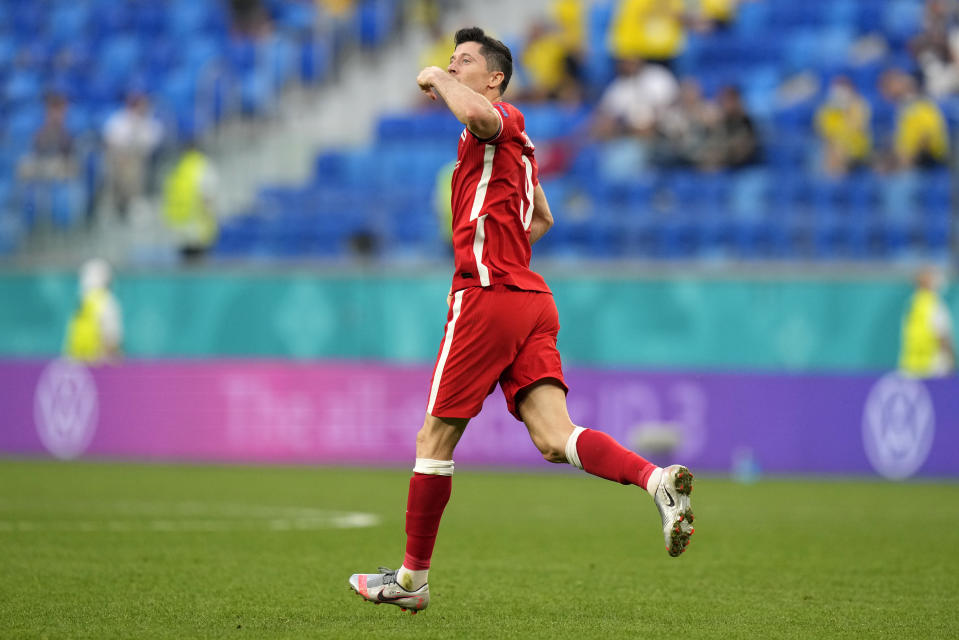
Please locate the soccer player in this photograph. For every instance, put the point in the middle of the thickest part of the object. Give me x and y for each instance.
(501, 325)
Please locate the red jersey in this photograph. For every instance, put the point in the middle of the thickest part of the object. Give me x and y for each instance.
(493, 186)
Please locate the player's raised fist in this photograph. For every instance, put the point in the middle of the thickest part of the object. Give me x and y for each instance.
(425, 80)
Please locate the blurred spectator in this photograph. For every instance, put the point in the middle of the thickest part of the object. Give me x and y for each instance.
(571, 20)
(936, 48)
(732, 140)
(684, 128)
(52, 156)
(189, 203)
(554, 70)
(132, 135)
(927, 349)
(441, 45)
(921, 137)
(650, 29)
(842, 123)
(443, 200)
(627, 115)
(635, 99)
(95, 331)
(49, 171)
(436, 53)
(250, 17)
(418, 12)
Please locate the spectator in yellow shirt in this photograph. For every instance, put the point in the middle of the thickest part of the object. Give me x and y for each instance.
(842, 123)
(921, 137)
(553, 71)
(571, 20)
(650, 29)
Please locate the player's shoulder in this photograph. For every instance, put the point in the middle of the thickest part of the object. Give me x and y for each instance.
(514, 122)
(508, 110)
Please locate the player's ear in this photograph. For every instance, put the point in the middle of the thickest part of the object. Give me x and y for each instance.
(496, 79)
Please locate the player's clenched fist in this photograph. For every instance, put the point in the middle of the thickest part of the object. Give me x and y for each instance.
(426, 78)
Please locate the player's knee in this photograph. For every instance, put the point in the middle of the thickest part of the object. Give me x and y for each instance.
(554, 452)
(556, 457)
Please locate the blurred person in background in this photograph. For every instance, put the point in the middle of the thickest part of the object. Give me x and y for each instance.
(250, 17)
(436, 51)
(442, 200)
(502, 325)
(570, 18)
(132, 135)
(553, 69)
(650, 29)
(189, 202)
(936, 48)
(684, 127)
(842, 123)
(49, 172)
(927, 349)
(438, 48)
(627, 115)
(95, 331)
(921, 137)
(732, 140)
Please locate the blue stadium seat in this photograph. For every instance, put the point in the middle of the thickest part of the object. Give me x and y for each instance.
(23, 85)
(899, 196)
(376, 20)
(901, 19)
(68, 22)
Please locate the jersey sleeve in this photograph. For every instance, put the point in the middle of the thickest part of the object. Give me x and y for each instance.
(511, 123)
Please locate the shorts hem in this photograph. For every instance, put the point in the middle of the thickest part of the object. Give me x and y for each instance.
(511, 403)
(459, 415)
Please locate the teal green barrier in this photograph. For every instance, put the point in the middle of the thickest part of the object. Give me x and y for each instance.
(669, 322)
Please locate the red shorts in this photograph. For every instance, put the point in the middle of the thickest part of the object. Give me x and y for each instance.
(494, 334)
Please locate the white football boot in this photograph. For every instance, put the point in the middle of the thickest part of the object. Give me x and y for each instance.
(672, 500)
(382, 587)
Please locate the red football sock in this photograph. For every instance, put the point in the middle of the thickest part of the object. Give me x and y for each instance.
(602, 456)
(424, 508)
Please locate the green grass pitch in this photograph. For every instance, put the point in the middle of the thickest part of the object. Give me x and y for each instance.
(97, 550)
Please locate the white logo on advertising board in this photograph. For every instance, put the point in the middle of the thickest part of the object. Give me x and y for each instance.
(65, 408)
(898, 425)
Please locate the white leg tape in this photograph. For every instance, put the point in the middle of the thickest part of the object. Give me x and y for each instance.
(572, 456)
(433, 467)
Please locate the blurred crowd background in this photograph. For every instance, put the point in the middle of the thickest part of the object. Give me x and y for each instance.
(288, 130)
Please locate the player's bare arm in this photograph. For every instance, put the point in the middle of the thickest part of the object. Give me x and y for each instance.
(471, 108)
(542, 218)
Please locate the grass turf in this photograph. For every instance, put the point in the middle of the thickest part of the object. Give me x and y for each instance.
(120, 551)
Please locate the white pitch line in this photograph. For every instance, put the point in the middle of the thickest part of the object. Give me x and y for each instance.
(193, 517)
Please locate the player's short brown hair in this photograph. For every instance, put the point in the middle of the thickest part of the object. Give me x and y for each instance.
(496, 54)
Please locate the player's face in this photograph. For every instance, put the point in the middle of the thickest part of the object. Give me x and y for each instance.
(469, 67)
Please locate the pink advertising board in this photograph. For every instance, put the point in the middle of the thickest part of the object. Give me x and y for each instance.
(365, 413)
